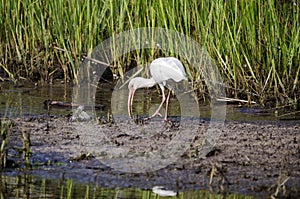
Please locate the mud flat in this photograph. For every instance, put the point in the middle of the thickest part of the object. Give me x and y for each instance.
(250, 158)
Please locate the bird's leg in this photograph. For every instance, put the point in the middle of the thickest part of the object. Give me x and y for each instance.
(162, 102)
(167, 105)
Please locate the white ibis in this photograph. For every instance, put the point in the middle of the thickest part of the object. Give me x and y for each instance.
(161, 70)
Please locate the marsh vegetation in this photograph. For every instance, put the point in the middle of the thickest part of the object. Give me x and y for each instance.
(255, 44)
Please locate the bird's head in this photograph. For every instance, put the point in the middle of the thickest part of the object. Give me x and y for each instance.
(136, 83)
(132, 86)
(140, 82)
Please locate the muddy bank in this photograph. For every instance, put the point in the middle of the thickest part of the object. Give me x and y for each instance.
(257, 158)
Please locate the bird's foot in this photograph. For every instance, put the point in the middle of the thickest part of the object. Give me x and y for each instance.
(147, 118)
(167, 121)
(171, 124)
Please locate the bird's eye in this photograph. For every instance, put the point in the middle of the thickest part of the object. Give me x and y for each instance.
(130, 86)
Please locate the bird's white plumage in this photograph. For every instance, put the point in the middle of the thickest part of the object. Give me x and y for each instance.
(163, 69)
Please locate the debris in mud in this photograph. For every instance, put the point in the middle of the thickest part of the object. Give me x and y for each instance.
(80, 115)
(161, 191)
(59, 104)
(84, 156)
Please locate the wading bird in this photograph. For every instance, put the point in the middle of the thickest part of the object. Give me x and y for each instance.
(161, 70)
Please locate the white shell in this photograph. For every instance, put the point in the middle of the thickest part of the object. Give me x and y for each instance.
(161, 191)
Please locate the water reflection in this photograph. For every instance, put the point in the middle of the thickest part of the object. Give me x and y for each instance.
(28, 101)
(27, 186)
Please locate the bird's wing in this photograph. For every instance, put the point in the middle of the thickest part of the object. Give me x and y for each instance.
(163, 69)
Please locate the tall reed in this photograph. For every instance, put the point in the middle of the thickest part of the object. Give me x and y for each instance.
(255, 43)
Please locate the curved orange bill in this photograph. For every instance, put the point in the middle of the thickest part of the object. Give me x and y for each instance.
(130, 100)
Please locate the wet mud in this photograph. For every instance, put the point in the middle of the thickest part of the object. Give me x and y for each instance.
(250, 158)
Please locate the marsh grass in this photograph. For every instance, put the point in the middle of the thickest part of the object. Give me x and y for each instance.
(6, 127)
(8, 131)
(255, 43)
(5, 130)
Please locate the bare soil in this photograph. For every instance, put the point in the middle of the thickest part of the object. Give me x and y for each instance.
(250, 158)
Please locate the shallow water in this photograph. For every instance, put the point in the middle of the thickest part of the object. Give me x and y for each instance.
(26, 186)
(27, 101)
